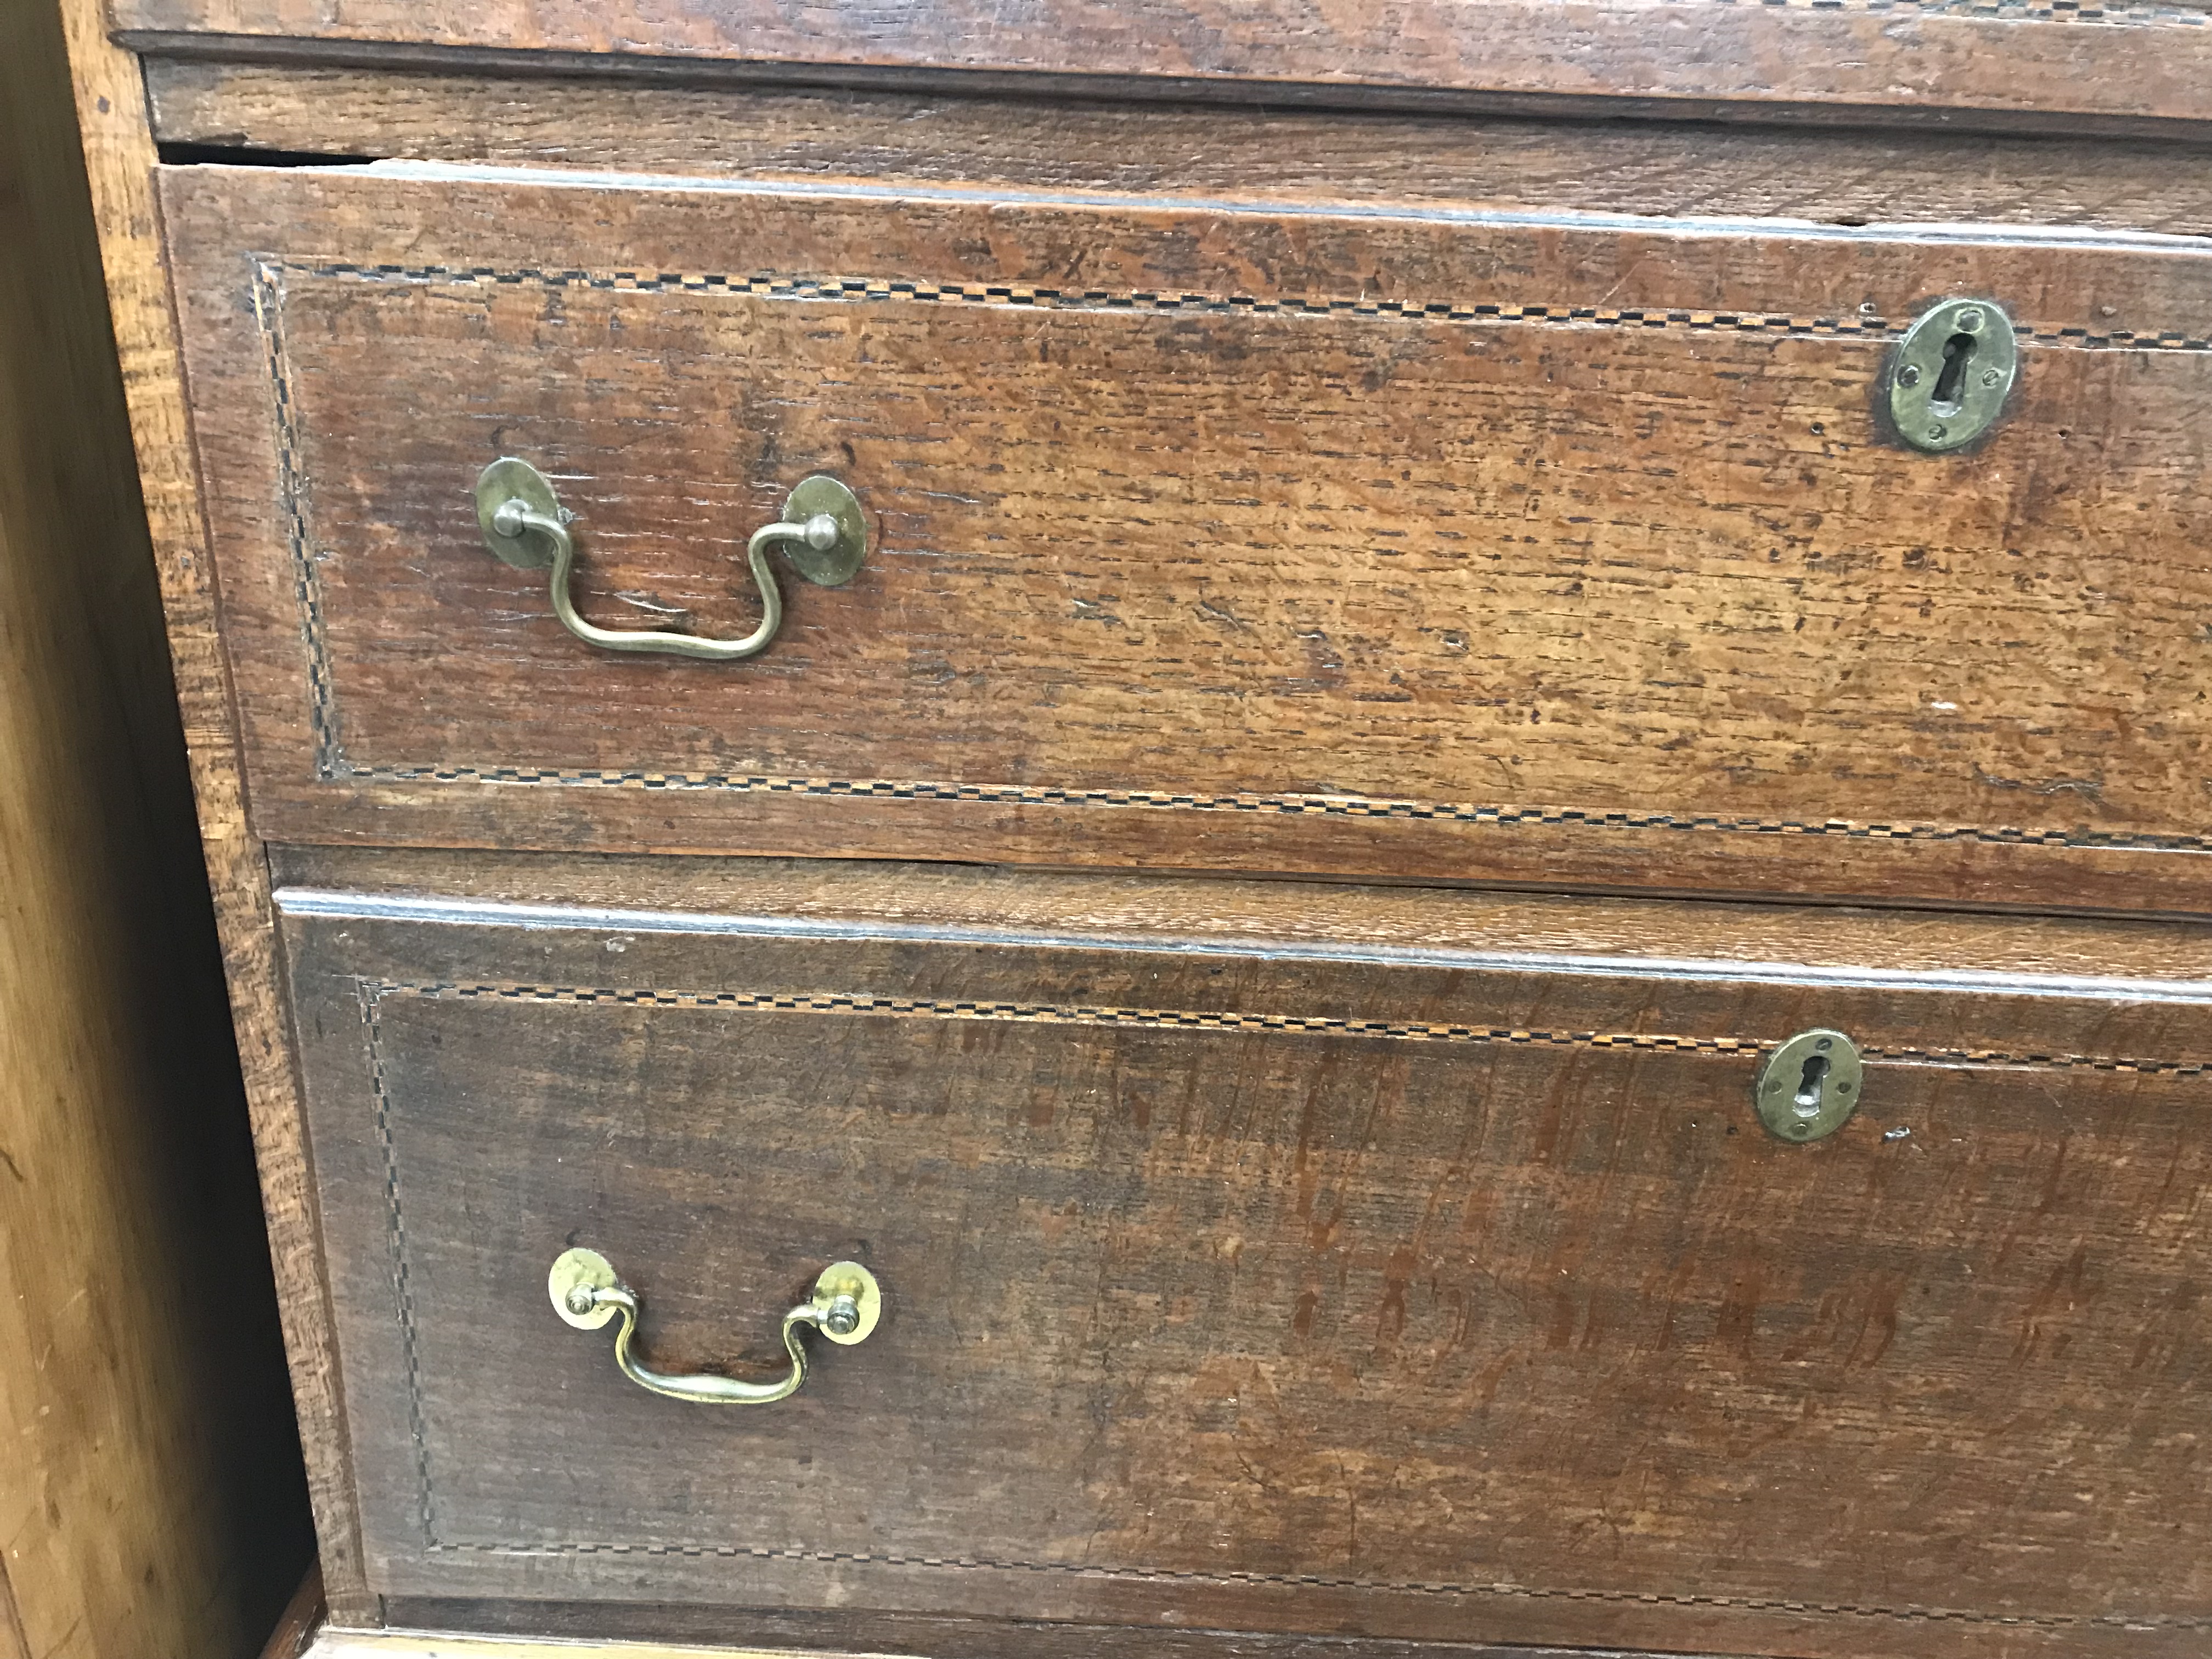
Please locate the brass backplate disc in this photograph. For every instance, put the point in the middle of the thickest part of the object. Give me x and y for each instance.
(511, 480)
(1810, 1086)
(1951, 373)
(849, 1278)
(838, 563)
(572, 1268)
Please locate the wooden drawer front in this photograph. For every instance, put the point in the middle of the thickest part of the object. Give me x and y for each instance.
(1444, 1294)
(1438, 545)
(2033, 65)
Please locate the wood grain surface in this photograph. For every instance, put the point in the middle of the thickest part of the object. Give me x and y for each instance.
(150, 1495)
(1646, 168)
(830, 1633)
(835, 1636)
(1446, 546)
(1246, 1288)
(2136, 958)
(1327, 495)
(304, 1619)
(119, 159)
(422, 1644)
(2126, 65)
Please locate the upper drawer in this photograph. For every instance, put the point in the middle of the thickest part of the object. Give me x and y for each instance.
(1424, 544)
(2064, 66)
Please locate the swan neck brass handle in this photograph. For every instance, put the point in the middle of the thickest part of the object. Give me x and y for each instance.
(823, 533)
(845, 1304)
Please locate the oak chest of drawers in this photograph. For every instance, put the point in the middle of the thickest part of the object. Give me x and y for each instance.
(1399, 815)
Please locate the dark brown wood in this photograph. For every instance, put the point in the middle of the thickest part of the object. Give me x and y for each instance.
(2126, 65)
(303, 1615)
(1647, 169)
(1147, 911)
(1376, 1238)
(1268, 1284)
(1432, 545)
(839, 1635)
(118, 152)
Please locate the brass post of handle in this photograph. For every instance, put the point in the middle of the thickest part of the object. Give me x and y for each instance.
(823, 533)
(845, 1307)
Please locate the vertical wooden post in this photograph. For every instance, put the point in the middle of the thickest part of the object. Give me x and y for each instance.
(150, 1490)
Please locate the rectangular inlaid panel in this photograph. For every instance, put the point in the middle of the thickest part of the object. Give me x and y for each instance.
(1463, 546)
(1259, 1285)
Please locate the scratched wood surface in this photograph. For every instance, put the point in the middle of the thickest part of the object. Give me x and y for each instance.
(845, 135)
(2135, 958)
(1273, 539)
(2122, 65)
(538, 1629)
(830, 1634)
(1458, 1297)
(545, 1630)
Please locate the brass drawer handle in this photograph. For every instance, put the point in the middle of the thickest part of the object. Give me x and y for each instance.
(822, 530)
(845, 1304)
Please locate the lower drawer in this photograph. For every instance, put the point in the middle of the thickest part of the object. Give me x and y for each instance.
(1274, 1259)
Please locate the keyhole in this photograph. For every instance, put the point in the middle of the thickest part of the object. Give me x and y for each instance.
(1811, 1083)
(1958, 352)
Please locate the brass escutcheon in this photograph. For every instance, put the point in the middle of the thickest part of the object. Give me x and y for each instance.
(1951, 373)
(1810, 1085)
